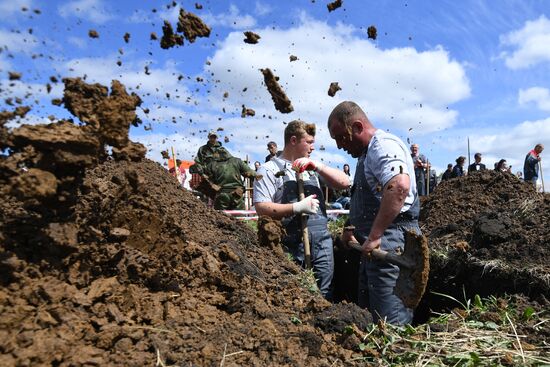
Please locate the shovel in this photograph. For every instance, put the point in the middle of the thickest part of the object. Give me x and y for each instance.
(303, 222)
(414, 267)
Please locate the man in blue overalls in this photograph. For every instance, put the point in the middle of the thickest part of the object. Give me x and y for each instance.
(276, 195)
(384, 204)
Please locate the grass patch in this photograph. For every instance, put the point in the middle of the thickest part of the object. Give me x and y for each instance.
(306, 278)
(481, 332)
(336, 226)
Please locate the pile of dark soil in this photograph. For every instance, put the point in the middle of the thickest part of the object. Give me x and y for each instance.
(105, 261)
(488, 233)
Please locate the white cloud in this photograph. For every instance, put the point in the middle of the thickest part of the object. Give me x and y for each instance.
(78, 42)
(9, 7)
(18, 42)
(103, 70)
(261, 9)
(171, 15)
(397, 87)
(30, 91)
(139, 16)
(233, 19)
(5, 64)
(93, 10)
(29, 119)
(529, 44)
(540, 96)
(185, 145)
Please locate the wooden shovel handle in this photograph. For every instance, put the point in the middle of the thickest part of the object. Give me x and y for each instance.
(303, 222)
(384, 256)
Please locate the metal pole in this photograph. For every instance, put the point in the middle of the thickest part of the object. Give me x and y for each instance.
(303, 221)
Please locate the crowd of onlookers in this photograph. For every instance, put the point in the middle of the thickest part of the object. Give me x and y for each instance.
(426, 178)
(212, 159)
(530, 173)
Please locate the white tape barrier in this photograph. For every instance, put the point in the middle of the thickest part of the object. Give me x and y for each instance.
(252, 215)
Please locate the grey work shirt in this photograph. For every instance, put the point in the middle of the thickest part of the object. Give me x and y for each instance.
(387, 156)
(270, 188)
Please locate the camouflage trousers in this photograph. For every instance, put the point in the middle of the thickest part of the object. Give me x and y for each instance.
(233, 200)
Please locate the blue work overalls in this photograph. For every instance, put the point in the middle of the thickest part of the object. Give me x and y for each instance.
(320, 240)
(377, 279)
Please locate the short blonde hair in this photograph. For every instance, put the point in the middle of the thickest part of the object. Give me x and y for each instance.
(298, 129)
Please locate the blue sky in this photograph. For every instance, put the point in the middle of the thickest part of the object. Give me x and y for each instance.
(438, 73)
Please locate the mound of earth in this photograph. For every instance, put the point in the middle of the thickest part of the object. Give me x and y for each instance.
(105, 261)
(489, 232)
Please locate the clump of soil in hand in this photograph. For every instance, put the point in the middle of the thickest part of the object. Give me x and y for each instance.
(282, 103)
(192, 26)
(334, 87)
(251, 37)
(169, 38)
(372, 32)
(334, 5)
(92, 33)
(247, 112)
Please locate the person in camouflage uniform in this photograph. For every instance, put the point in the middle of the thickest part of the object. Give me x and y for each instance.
(227, 174)
(212, 150)
(221, 174)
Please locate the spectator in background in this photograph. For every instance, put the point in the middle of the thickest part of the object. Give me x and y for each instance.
(531, 164)
(502, 166)
(448, 173)
(458, 169)
(257, 166)
(273, 152)
(433, 181)
(420, 169)
(346, 169)
(477, 165)
(211, 151)
(344, 196)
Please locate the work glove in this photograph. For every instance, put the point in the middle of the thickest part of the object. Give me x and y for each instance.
(306, 164)
(309, 205)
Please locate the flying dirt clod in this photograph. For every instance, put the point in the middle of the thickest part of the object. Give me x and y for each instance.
(334, 5)
(334, 87)
(282, 103)
(192, 26)
(251, 37)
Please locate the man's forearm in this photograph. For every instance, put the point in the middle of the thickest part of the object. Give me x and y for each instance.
(393, 199)
(335, 178)
(274, 210)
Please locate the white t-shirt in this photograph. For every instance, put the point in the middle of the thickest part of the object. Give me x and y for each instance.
(387, 156)
(269, 189)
